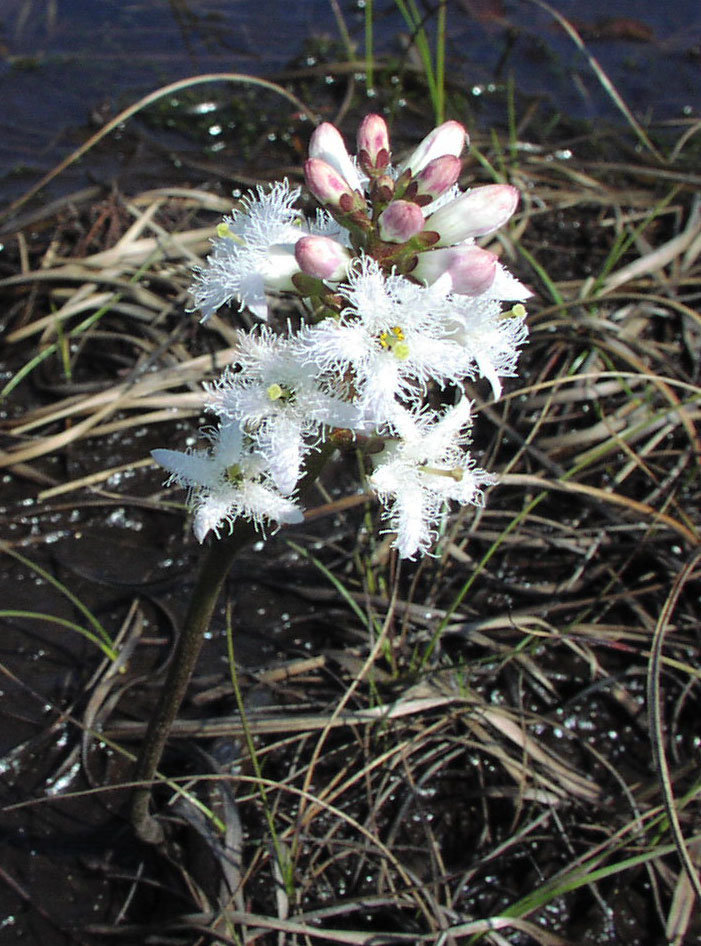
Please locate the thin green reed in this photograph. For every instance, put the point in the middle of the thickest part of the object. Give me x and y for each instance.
(434, 66)
(433, 62)
(439, 104)
(369, 48)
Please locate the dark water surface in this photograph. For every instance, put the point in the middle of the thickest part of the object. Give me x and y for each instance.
(68, 66)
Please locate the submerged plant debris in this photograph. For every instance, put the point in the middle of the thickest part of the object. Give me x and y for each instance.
(500, 743)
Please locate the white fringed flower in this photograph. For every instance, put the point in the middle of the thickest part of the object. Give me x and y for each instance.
(225, 483)
(390, 339)
(254, 252)
(277, 394)
(491, 338)
(416, 475)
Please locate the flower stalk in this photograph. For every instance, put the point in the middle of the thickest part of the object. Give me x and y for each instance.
(214, 568)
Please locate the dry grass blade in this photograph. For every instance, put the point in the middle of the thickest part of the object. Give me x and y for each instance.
(260, 925)
(267, 722)
(656, 728)
(640, 510)
(686, 242)
(560, 778)
(681, 911)
(131, 304)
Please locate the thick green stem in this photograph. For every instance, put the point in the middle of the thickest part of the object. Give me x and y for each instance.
(214, 568)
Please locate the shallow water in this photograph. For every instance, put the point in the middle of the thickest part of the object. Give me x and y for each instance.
(68, 67)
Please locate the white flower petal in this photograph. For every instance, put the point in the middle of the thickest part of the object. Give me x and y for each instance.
(188, 469)
(418, 474)
(256, 253)
(507, 288)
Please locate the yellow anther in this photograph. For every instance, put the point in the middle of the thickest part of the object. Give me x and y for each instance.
(393, 340)
(234, 474)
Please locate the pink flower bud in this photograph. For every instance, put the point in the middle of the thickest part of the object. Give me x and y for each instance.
(327, 144)
(474, 213)
(373, 141)
(448, 138)
(467, 270)
(322, 257)
(438, 176)
(327, 185)
(400, 221)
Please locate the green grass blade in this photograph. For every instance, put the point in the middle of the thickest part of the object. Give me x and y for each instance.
(109, 652)
(100, 631)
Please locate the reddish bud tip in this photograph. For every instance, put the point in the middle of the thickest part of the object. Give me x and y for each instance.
(373, 141)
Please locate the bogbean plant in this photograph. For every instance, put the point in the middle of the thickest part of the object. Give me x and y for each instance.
(400, 308)
(398, 302)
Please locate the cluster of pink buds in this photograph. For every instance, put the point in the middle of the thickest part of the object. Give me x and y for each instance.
(397, 214)
(399, 301)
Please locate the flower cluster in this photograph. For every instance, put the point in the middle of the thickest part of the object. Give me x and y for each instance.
(399, 302)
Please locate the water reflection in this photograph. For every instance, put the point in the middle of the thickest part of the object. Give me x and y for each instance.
(66, 68)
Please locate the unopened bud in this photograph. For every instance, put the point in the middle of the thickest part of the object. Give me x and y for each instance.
(474, 213)
(326, 143)
(467, 270)
(400, 221)
(373, 142)
(438, 176)
(327, 185)
(448, 138)
(322, 257)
